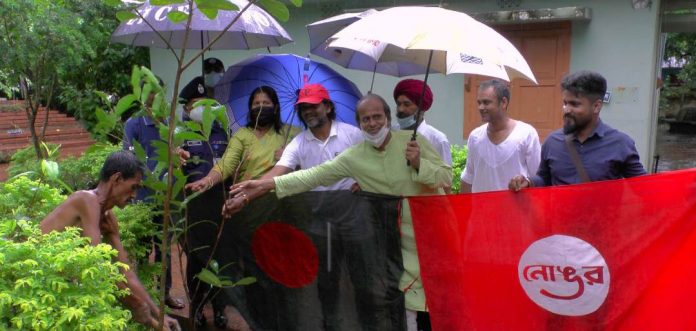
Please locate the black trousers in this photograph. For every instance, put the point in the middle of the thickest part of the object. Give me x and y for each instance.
(203, 222)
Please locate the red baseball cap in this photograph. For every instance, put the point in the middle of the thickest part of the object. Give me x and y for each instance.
(312, 93)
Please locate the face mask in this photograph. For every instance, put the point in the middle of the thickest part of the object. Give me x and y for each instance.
(196, 114)
(262, 116)
(376, 139)
(406, 122)
(212, 78)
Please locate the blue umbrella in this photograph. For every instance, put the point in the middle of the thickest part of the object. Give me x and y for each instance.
(286, 73)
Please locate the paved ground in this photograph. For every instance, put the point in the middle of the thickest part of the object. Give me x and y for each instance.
(235, 321)
(676, 151)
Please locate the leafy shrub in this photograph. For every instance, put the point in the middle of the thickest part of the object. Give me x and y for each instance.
(78, 173)
(24, 160)
(26, 198)
(136, 229)
(57, 281)
(24, 202)
(459, 154)
(83, 173)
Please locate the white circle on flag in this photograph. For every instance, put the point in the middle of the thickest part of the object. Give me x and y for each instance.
(564, 275)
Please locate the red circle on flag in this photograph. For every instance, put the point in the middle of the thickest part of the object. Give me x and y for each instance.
(285, 254)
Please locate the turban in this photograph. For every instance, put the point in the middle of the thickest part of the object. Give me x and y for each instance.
(412, 89)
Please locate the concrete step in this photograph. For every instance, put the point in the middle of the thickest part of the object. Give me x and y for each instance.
(14, 135)
(19, 115)
(61, 129)
(8, 123)
(69, 149)
(76, 139)
(22, 112)
(23, 121)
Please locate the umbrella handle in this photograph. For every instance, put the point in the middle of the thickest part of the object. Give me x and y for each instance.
(287, 134)
(413, 138)
(420, 102)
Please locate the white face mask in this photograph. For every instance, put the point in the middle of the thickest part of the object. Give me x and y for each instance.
(196, 114)
(212, 78)
(406, 122)
(376, 139)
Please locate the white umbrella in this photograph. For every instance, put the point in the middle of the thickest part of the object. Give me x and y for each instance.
(254, 29)
(444, 40)
(321, 31)
(456, 42)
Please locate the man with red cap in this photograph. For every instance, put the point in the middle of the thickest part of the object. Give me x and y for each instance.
(378, 166)
(325, 139)
(407, 95)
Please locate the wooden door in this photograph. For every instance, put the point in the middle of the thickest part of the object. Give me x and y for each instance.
(546, 47)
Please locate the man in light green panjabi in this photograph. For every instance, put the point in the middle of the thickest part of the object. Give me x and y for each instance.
(379, 166)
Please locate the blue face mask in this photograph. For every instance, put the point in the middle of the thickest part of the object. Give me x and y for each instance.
(406, 122)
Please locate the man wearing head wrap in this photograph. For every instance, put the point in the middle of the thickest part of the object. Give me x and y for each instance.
(407, 95)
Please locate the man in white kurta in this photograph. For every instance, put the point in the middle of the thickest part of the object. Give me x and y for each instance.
(489, 167)
(502, 147)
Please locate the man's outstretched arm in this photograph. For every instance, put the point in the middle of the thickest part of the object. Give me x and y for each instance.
(144, 309)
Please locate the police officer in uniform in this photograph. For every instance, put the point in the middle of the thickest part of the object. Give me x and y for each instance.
(143, 130)
(203, 213)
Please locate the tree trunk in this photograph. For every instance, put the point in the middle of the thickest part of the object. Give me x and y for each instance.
(31, 115)
(48, 107)
(31, 109)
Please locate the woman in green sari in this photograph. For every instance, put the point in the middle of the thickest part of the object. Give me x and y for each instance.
(254, 149)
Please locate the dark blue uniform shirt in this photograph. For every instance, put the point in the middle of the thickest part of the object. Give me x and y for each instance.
(144, 130)
(205, 153)
(606, 154)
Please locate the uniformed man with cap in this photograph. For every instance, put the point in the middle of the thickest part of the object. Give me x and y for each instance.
(198, 158)
(144, 130)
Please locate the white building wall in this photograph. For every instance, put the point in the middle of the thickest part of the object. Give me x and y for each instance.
(619, 42)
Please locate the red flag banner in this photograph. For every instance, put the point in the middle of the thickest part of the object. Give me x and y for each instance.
(611, 255)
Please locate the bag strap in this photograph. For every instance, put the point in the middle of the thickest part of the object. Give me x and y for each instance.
(584, 178)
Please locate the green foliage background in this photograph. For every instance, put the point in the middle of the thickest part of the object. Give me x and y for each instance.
(61, 48)
(82, 173)
(59, 281)
(682, 48)
(459, 154)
